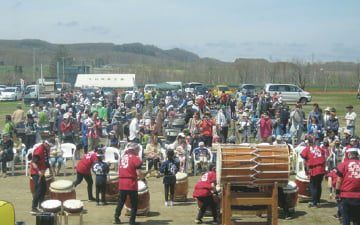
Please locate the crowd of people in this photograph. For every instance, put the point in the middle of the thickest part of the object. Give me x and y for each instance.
(174, 127)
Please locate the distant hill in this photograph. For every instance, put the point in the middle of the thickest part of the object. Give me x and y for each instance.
(21, 52)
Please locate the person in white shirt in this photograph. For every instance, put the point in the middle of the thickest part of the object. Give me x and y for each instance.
(134, 130)
(350, 118)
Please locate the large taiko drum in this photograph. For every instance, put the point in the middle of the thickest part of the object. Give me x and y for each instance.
(143, 202)
(181, 187)
(302, 181)
(290, 194)
(112, 188)
(62, 190)
(253, 165)
(49, 178)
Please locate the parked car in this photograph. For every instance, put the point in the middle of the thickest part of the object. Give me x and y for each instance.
(190, 87)
(11, 94)
(247, 88)
(2, 87)
(288, 92)
(201, 90)
(218, 89)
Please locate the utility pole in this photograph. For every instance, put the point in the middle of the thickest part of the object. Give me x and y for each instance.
(33, 64)
(63, 79)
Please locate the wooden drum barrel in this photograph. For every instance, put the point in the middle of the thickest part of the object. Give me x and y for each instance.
(62, 190)
(112, 188)
(253, 165)
(144, 200)
(49, 179)
(181, 187)
(302, 181)
(291, 195)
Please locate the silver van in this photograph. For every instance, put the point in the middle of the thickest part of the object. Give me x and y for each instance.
(288, 92)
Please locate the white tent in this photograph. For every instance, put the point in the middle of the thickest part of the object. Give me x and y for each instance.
(105, 80)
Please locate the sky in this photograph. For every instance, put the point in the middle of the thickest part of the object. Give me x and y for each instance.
(276, 30)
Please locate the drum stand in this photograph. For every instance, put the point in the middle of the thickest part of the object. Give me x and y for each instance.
(67, 214)
(230, 199)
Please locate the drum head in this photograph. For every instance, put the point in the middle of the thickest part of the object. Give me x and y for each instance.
(302, 176)
(142, 188)
(181, 176)
(290, 187)
(73, 205)
(51, 204)
(61, 186)
(113, 177)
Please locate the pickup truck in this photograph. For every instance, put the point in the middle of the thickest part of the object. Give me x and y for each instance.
(40, 94)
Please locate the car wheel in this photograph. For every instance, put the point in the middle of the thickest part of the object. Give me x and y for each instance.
(303, 101)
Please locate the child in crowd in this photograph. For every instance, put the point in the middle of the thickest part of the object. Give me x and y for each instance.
(113, 141)
(169, 168)
(332, 178)
(101, 171)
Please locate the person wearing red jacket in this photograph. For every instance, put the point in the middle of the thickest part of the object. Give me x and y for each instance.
(83, 170)
(348, 187)
(129, 172)
(203, 191)
(207, 128)
(67, 129)
(39, 163)
(314, 161)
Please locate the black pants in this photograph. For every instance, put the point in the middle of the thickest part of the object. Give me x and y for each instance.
(153, 162)
(134, 198)
(169, 188)
(4, 159)
(351, 211)
(40, 190)
(224, 134)
(315, 188)
(89, 181)
(206, 202)
(208, 141)
(100, 189)
(30, 140)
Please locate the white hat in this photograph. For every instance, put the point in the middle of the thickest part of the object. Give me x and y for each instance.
(190, 102)
(279, 137)
(352, 150)
(347, 131)
(66, 116)
(201, 143)
(32, 105)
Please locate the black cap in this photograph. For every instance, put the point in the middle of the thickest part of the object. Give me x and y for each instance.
(349, 107)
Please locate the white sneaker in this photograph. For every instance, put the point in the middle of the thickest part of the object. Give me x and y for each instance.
(166, 203)
(171, 203)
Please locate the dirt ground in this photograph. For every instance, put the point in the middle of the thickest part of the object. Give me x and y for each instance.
(15, 189)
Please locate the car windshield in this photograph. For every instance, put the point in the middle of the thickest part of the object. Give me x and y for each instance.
(9, 90)
(224, 88)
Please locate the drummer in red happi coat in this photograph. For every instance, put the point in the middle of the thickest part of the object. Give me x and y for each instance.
(83, 170)
(348, 187)
(38, 165)
(129, 172)
(314, 161)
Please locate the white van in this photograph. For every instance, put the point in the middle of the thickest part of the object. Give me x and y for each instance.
(288, 92)
(149, 87)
